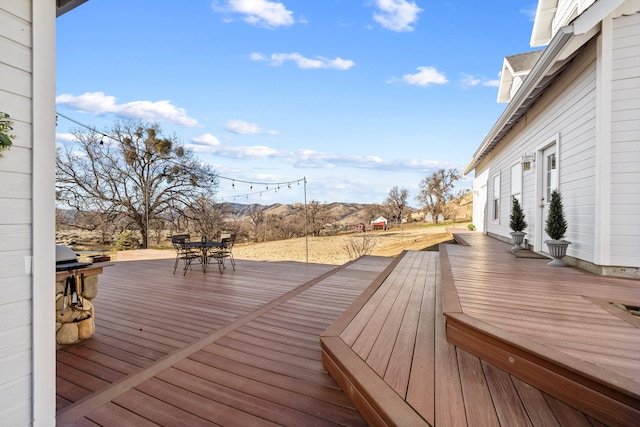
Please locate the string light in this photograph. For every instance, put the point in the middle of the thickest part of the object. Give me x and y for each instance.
(275, 186)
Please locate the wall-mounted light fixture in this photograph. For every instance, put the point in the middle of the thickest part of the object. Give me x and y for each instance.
(527, 161)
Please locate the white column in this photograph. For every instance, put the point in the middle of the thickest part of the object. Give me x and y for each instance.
(43, 211)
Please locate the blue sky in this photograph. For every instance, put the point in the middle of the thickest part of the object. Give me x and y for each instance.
(358, 96)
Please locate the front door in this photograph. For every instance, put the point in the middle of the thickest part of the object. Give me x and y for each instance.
(549, 182)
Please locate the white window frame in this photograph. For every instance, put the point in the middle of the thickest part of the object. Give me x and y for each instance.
(496, 199)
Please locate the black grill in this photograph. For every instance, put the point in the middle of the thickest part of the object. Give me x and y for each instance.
(67, 260)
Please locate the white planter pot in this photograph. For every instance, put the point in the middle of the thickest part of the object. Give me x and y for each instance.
(557, 250)
(517, 237)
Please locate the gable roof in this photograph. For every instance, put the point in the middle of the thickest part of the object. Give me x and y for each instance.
(545, 71)
(514, 67)
(565, 44)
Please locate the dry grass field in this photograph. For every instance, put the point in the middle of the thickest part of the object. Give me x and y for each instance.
(325, 250)
(332, 249)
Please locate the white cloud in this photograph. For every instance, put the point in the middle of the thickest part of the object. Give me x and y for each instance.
(262, 13)
(529, 12)
(469, 80)
(305, 158)
(396, 15)
(424, 77)
(246, 128)
(65, 137)
(207, 140)
(277, 59)
(98, 103)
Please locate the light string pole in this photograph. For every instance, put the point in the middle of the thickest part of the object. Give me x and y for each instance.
(275, 186)
(306, 234)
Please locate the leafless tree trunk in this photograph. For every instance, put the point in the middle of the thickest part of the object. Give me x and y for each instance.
(436, 190)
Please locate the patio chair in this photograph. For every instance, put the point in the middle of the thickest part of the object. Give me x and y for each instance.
(224, 251)
(184, 252)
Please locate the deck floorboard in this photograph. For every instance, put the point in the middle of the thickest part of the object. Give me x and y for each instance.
(465, 337)
(541, 322)
(238, 348)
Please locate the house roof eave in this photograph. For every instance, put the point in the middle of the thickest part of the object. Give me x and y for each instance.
(64, 6)
(545, 12)
(530, 90)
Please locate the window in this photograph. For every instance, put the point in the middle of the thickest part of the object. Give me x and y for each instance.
(496, 198)
(516, 182)
(552, 175)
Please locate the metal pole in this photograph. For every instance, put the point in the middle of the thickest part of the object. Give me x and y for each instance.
(146, 203)
(306, 234)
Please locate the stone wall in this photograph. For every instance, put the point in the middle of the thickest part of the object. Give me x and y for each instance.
(75, 317)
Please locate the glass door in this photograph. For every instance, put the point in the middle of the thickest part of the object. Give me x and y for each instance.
(549, 183)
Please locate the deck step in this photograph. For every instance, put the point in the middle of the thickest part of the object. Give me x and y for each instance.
(401, 364)
(528, 332)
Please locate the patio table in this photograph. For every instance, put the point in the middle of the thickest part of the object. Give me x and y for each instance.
(204, 248)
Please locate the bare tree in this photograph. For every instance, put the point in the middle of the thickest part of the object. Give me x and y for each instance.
(318, 215)
(287, 226)
(397, 202)
(257, 219)
(458, 200)
(436, 190)
(135, 172)
(207, 217)
(373, 211)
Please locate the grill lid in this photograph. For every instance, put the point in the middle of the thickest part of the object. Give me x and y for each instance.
(65, 254)
(66, 259)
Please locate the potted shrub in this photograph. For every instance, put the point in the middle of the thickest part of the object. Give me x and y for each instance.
(556, 227)
(6, 125)
(517, 224)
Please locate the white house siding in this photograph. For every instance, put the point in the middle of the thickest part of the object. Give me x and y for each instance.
(565, 112)
(15, 217)
(625, 142)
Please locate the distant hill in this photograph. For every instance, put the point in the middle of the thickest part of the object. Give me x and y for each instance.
(346, 213)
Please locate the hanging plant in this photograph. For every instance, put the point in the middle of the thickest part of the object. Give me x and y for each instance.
(6, 126)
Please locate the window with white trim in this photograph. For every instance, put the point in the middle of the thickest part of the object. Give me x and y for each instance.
(496, 198)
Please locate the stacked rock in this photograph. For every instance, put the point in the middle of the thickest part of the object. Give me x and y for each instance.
(75, 317)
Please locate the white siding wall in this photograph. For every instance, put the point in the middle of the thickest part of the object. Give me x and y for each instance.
(15, 217)
(566, 109)
(625, 142)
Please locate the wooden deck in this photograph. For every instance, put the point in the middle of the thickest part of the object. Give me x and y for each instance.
(552, 327)
(507, 352)
(467, 336)
(239, 348)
